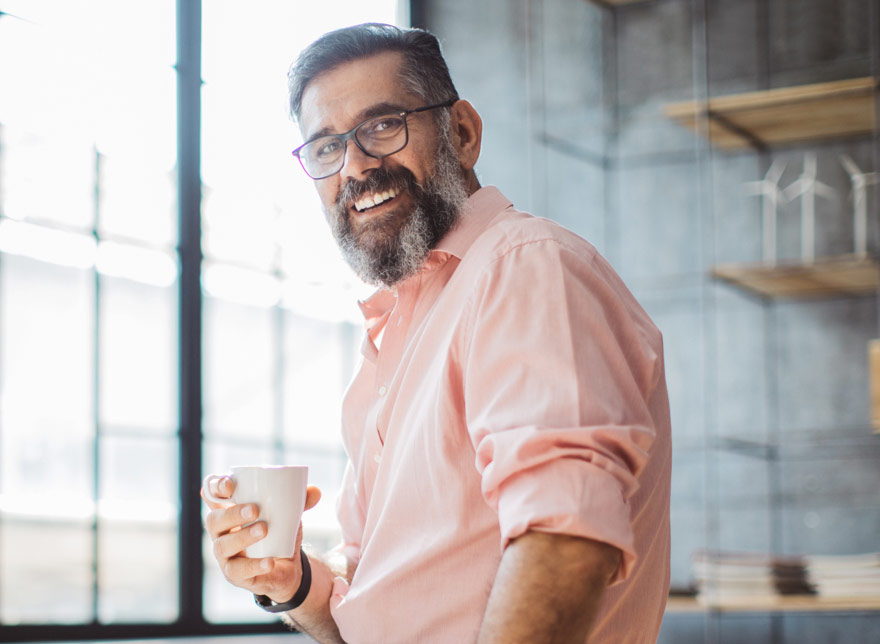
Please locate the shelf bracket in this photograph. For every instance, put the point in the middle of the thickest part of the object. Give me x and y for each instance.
(735, 129)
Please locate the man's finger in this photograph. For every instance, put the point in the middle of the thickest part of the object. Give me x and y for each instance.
(279, 578)
(243, 571)
(222, 520)
(219, 487)
(235, 543)
(313, 495)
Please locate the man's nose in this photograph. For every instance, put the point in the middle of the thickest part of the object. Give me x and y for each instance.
(357, 164)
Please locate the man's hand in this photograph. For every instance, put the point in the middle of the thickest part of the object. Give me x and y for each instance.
(275, 577)
(548, 589)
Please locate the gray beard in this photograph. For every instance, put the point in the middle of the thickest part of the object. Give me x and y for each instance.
(399, 253)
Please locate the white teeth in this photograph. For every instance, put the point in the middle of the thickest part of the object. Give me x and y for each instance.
(369, 201)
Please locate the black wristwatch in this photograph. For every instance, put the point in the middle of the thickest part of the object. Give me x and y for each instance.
(298, 597)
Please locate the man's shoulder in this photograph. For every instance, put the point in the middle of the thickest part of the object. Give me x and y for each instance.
(513, 229)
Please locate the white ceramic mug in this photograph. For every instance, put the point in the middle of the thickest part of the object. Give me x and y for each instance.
(279, 492)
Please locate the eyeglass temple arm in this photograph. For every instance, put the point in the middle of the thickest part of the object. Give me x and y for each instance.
(449, 103)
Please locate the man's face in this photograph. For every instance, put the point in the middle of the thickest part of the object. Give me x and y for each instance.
(416, 192)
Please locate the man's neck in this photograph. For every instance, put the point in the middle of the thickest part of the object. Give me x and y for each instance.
(472, 184)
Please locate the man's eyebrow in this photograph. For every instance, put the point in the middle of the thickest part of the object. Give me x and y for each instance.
(379, 109)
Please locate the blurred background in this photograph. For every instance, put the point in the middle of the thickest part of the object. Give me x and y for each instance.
(159, 246)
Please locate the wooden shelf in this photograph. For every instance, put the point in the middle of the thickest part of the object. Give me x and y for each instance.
(782, 603)
(784, 115)
(842, 275)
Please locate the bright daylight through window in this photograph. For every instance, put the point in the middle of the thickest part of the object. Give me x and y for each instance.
(89, 296)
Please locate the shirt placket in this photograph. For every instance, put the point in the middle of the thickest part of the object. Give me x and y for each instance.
(388, 359)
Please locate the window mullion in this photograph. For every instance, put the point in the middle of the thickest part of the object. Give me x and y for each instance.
(96, 383)
(190, 308)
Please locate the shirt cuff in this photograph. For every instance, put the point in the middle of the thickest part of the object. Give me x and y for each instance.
(572, 497)
(338, 592)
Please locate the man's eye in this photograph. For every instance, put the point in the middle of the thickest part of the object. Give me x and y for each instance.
(384, 125)
(326, 148)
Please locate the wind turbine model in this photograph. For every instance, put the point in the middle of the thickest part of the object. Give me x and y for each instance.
(771, 194)
(807, 187)
(861, 181)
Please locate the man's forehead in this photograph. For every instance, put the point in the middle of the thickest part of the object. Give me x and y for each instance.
(337, 98)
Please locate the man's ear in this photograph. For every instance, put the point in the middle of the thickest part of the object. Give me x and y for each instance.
(467, 132)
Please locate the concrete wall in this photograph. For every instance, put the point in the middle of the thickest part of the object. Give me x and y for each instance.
(571, 94)
(544, 122)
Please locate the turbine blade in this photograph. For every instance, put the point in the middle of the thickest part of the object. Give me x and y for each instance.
(824, 190)
(776, 170)
(795, 189)
(810, 164)
(851, 168)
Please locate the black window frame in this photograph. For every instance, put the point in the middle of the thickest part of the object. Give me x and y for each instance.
(191, 620)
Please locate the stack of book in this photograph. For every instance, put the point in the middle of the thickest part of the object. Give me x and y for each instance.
(732, 578)
(838, 576)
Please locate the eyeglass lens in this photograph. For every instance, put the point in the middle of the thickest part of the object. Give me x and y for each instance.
(378, 137)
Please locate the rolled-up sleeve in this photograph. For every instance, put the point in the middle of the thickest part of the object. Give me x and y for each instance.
(559, 366)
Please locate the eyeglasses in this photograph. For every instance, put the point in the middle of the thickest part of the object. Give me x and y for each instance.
(376, 137)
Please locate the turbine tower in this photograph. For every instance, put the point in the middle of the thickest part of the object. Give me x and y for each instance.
(807, 187)
(771, 196)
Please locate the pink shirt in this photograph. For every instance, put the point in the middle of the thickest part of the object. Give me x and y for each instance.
(518, 386)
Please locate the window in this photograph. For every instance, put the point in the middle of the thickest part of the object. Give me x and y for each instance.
(90, 291)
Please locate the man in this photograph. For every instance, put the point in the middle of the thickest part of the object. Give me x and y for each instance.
(508, 431)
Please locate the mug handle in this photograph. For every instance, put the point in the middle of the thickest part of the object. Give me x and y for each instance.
(206, 487)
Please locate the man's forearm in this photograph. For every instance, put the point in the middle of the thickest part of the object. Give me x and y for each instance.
(548, 589)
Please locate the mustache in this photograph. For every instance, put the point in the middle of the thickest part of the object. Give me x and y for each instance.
(379, 180)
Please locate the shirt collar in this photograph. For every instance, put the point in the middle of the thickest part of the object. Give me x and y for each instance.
(478, 212)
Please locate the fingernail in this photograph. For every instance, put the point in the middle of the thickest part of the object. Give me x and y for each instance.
(247, 513)
(266, 564)
(257, 530)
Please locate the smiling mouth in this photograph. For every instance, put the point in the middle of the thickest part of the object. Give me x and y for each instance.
(374, 199)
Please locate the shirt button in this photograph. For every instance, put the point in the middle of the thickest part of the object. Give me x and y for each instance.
(377, 457)
(383, 390)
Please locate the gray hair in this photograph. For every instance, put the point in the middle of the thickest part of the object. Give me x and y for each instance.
(424, 72)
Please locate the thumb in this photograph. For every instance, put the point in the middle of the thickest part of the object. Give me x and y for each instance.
(313, 495)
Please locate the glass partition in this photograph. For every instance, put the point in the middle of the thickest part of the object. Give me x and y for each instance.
(90, 301)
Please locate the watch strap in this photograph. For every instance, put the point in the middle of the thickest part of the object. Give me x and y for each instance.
(299, 596)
